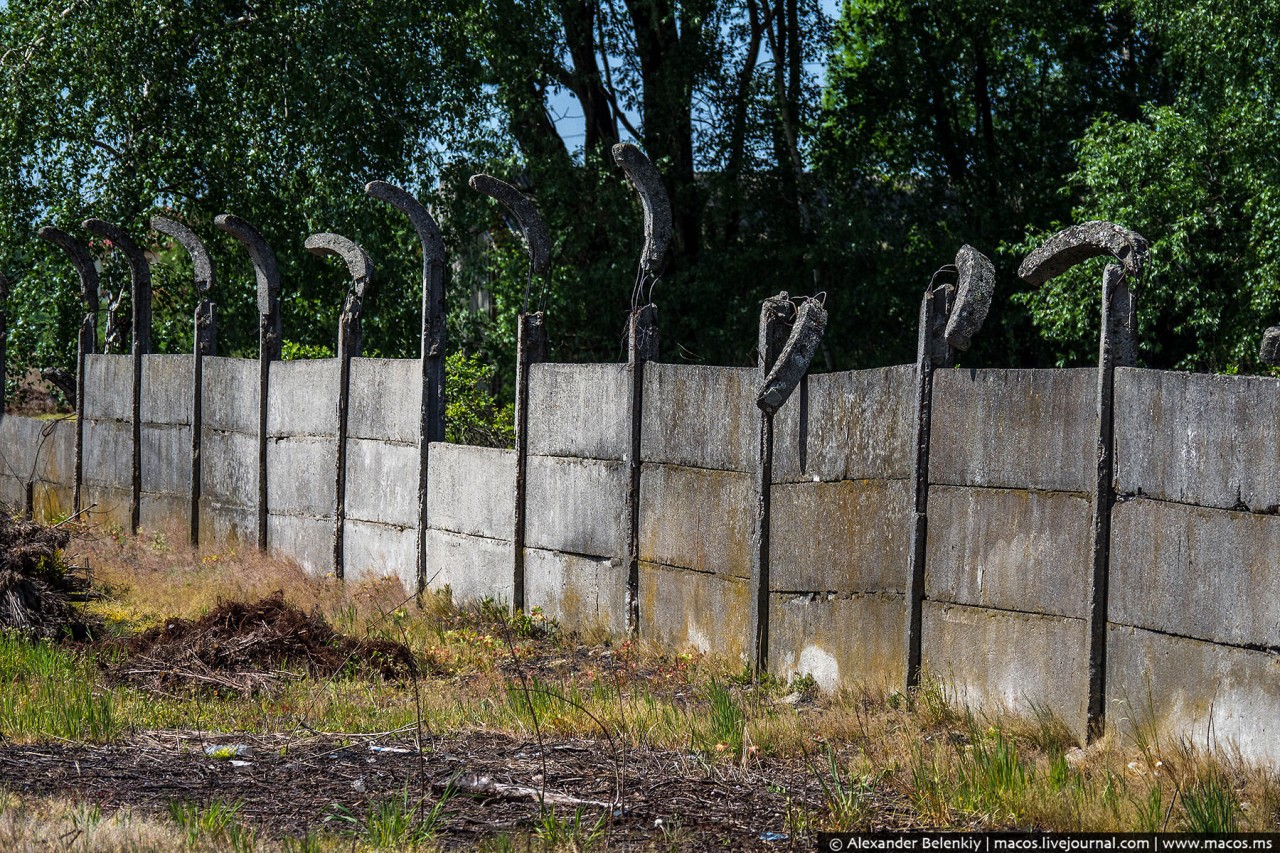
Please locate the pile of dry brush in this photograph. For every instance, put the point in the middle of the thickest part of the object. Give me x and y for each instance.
(37, 589)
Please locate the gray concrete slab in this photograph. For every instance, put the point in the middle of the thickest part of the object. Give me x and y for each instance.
(108, 454)
(386, 399)
(578, 592)
(579, 410)
(696, 518)
(1199, 439)
(229, 468)
(166, 459)
(52, 503)
(1021, 429)
(224, 525)
(167, 515)
(848, 536)
(168, 389)
(1214, 696)
(472, 490)
(681, 609)
(107, 506)
(307, 541)
(1010, 549)
(229, 394)
(704, 417)
(301, 476)
(303, 398)
(372, 551)
(472, 567)
(842, 641)
(1211, 574)
(382, 482)
(55, 456)
(108, 387)
(576, 505)
(993, 660)
(851, 425)
(19, 436)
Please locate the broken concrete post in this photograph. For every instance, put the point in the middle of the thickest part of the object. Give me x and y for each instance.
(87, 342)
(267, 274)
(140, 302)
(431, 352)
(531, 348)
(350, 339)
(642, 341)
(1269, 351)
(1117, 346)
(950, 315)
(205, 345)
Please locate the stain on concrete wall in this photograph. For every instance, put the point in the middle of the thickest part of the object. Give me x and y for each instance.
(229, 450)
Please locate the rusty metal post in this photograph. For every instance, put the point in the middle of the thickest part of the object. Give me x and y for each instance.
(270, 338)
(642, 342)
(350, 340)
(1117, 347)
(431, 352)
(950, 315)
(205, 345)
(87, 342)
(531, 349)
(140, 303)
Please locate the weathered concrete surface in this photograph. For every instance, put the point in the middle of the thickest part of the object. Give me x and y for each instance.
(163, 512)
(579, 410)
(1197, 438)
(108, 387)
(472, 490)
(1010, 549)
(696, 519)
(704, 417)
(576, 505)
(992, 659)
(112, 505)
(303, 398)
(386, 400)
(304, 539)
(849, 536)
(166, 460)
(300, 477)
(229, 396)
(108, 454)
(1015, 429)
(228, 524)
(472, 567)
(1215, 696)
(578, 592)
(52, 503)
(840, 640)
(229, 468)
(42, 451)
(19, 436)
(681, 609)
(382, 482)
(375, 550)
(1211, 574)
(168, 390)
(857, 425)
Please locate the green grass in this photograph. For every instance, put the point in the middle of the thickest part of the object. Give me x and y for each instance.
(49, 692)
(396, 823)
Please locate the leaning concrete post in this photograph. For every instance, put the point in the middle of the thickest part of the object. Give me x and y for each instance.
(788, 340)
(531, 348)
(350, 339)
(950, 315)
(270, 338)
(87, 342)
(140, 302)
(205, 344)
(1117, 347)
(431, 352)
(642, 340)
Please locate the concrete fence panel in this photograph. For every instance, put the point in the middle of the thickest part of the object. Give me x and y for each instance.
(168, 400)
(229, 449)
(108, 437)
(471, 522)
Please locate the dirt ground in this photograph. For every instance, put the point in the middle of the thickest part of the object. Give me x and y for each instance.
(288, 786)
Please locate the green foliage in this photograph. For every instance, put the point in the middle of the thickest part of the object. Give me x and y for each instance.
(1210, 806)
(396, 823)
(577, 831)
(49, 692)
(214, 824)
(472, 415)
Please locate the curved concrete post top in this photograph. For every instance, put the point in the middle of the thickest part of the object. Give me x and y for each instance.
(796, 356)
(419, 217)
(139, 269)
(359, 265)
(201, 262)
(653, 196)
(1269, 352)
(1079, 243)
(537, 240)
(80, 259)
(265, 269)
(976, 284)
